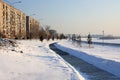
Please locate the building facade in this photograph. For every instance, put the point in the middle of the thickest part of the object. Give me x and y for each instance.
(32, 28)
(12, 22)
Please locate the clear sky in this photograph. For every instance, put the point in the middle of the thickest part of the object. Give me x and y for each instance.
(75, 16)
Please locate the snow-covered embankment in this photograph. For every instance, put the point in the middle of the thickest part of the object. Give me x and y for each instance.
(101, 61)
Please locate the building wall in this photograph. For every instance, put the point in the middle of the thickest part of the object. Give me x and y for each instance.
(1, 18)
(23, 25)
(32, 27)
(13, 22)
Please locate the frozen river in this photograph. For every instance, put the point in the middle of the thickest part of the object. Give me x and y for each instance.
(89, 71)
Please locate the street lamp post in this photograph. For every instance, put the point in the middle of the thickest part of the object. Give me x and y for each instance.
(13, 2)
(16, 2)
(103, 36)
(32, 15)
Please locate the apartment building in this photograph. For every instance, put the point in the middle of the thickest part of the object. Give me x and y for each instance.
(12, 22)
(32, 27)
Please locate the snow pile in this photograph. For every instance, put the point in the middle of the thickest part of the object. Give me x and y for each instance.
(104, 57)
(33, 60)
(7, 42)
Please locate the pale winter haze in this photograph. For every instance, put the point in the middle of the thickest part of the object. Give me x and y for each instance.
(75, 16)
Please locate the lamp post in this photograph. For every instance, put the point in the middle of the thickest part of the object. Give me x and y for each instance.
(103, 36)
(13, 2)
(6, 1)
(16, 2)
(32, 14)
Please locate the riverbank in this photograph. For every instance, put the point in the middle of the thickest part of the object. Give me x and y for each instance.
(103, 57)
(89, 71)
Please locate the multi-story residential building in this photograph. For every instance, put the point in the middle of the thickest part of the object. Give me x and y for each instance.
(12, 22)
(15, 24)
(32, 27)
(1, 19)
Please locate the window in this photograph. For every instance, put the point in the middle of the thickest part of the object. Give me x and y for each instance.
(3, 6)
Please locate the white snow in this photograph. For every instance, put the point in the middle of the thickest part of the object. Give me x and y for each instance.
(115, 41)
(104, 57)
(33, 60)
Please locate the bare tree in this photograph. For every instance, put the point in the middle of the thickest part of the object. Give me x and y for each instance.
(47, 27)
(79, 40)
(89, 39)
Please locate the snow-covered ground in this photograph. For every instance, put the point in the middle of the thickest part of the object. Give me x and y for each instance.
(115, 41)
(33, 60)
(104, 57)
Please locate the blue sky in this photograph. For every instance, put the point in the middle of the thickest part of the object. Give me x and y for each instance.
(75, 16)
